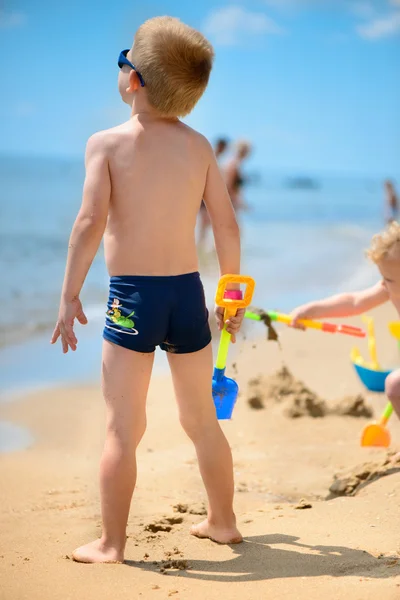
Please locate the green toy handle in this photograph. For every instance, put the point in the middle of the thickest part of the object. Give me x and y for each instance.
(386, 413)
(253, 317)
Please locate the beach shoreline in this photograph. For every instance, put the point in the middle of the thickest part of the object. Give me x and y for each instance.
(342, 548)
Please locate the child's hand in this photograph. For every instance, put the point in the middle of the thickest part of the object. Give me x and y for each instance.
(233, 324)
(300, 313)
(69, 311)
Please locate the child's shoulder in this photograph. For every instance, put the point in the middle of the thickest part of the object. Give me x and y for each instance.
(107, 136)
(107, 140)
(198, 140)
(102, 142)
(196, 135)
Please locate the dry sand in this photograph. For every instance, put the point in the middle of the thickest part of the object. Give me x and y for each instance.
(345, 547)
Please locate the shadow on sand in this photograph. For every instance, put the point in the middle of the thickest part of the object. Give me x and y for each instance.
(257, 560)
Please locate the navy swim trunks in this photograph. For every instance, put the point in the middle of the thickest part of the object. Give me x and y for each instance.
(145, 312)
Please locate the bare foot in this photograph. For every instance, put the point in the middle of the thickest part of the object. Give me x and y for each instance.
(220, 535)
(98, 552)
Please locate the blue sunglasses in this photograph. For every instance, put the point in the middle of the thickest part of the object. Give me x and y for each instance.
(122, 60)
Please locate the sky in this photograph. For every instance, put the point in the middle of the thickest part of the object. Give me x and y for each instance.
(313, 84)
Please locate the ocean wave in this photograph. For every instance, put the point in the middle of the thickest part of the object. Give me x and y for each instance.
(355, 231)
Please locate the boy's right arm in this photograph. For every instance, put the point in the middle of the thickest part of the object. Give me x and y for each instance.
(342, 305)
(85, 239)
(226, 232)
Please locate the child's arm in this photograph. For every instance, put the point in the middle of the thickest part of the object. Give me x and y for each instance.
(226, 232)
(342, 305)
(85, 239)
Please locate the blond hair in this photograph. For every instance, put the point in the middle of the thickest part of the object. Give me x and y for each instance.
(175, 62)
(385, 244)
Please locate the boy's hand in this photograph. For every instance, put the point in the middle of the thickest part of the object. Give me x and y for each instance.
(297, 315)
(69, 311)
(233, 324)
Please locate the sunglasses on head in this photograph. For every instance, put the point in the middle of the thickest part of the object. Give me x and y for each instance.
(122, 60)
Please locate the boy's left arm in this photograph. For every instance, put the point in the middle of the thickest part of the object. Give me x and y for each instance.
(85, 239)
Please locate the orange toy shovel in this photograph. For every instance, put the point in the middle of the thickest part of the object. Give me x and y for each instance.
(376, 434)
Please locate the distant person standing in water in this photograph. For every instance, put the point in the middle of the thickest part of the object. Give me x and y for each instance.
(234, 177)
(219, 149)
(391, 202)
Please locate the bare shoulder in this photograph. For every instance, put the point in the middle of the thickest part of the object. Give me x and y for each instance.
(199, 141)
(104, 142)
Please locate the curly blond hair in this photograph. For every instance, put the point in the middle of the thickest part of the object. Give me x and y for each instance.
(385, 244)
(175, 62)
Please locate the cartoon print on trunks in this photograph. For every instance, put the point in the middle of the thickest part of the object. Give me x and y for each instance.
(115, 315)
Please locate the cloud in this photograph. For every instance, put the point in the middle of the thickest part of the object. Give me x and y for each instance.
(232, 24)
(291, 3)
(300, 4)
(380, 27)
(364, 10)
(12, 19)
(284, 3)
(395, 2)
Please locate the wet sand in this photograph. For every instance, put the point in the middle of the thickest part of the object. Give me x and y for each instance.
(301, 540)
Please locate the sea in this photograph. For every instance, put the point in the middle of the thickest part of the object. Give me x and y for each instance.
(301, 240)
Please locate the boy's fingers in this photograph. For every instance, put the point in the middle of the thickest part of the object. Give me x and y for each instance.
(296, 325)
(234, 324)
(72, 341)
(82, 318)
(65, 337)
(71, 338)
(69, 333)
(56, 334)
(64, 345)
(234, 321)
(232, 330)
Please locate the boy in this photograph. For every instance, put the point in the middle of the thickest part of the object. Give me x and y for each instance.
(144, 184)
(385, 253)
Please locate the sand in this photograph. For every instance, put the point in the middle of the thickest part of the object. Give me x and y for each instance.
(302, 541)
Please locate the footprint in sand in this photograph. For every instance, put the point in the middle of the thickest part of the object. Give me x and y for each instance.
(193, 509)
(164, 525)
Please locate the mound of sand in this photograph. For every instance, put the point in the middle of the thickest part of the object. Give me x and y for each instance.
(353, 406)
(298, 399)
(352, 481)
(282, 387)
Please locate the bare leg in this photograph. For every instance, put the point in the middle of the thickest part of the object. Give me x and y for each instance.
(392, 389)
(192, 375)
(126, 378)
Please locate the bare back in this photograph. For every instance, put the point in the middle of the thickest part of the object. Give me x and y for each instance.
(158, 171)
